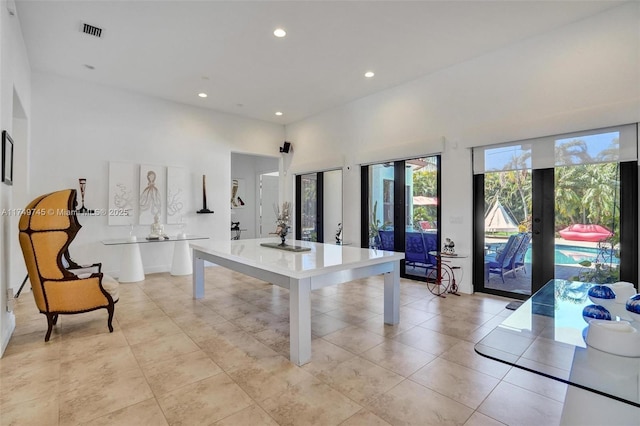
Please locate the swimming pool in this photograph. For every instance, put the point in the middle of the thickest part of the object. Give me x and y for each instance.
(572, 255)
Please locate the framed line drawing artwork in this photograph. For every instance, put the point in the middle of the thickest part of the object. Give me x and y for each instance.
(153, 193)
(123, 188)
(177, 194)
(7, 158)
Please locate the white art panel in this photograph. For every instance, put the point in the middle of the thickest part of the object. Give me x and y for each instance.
(123, 183)
(177, 194)
(153, 187)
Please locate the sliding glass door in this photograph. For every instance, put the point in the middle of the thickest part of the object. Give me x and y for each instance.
(400, 211)
(560, 207)
(308, 206)
(380, 220)
(319, 206)
(508, 226)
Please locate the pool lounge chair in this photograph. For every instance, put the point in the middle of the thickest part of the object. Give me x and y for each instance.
(518, 257)
(503, 262)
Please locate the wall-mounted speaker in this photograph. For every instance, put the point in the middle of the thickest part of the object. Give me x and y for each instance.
(286, 147)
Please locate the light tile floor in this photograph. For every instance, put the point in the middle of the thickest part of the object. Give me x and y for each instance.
(223, 360)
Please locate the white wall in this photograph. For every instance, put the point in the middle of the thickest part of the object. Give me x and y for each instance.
(248, 168)
(78, 127)
(582, 76)
(15, 108)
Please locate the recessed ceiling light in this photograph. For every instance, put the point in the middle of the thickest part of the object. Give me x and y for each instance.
(369, 74)
(279, 32)
(279, 113)
(202, 95)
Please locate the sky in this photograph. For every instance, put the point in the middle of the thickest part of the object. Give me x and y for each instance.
(496, 158)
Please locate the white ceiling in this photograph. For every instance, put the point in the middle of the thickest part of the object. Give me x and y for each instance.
(176, 49)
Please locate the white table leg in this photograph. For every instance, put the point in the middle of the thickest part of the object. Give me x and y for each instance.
(198, 276)
(300, 321)
(392, 295)
(131, 269)
(181, 264)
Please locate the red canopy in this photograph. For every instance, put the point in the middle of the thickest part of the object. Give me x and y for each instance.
(581, 232)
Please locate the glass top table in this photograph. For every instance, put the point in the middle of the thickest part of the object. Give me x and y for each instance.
(143, 240)
(131, 267)
(545, 336)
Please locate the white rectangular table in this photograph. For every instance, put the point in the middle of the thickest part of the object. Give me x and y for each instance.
(302, 272)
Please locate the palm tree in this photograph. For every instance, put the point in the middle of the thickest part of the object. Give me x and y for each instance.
(572, 152)
(568, 195)
(611, 154)
(509, 187)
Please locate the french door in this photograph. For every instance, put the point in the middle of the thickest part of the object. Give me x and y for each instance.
(401, 211)
(576, 220)
(319, 206)
(309, 191)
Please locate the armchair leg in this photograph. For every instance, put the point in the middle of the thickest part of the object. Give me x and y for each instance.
(50, 322)
(55, 319)
(110, 310)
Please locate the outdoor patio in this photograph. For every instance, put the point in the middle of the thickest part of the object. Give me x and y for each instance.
(521, 282)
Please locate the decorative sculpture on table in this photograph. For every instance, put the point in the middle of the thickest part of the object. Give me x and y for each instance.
(157, 230)
(339, 234)
(282, 221)
(282, 229)
(449, 247)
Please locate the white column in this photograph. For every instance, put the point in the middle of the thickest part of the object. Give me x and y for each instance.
(300, 320)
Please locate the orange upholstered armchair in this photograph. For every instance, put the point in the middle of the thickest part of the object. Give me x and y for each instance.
(47, 227)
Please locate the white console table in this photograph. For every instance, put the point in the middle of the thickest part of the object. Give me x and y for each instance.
(131, 269)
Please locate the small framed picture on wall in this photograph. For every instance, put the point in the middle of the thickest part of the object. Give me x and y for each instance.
(237, 194)
(7, 158)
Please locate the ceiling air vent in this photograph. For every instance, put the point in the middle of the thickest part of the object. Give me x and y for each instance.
(91, 30)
